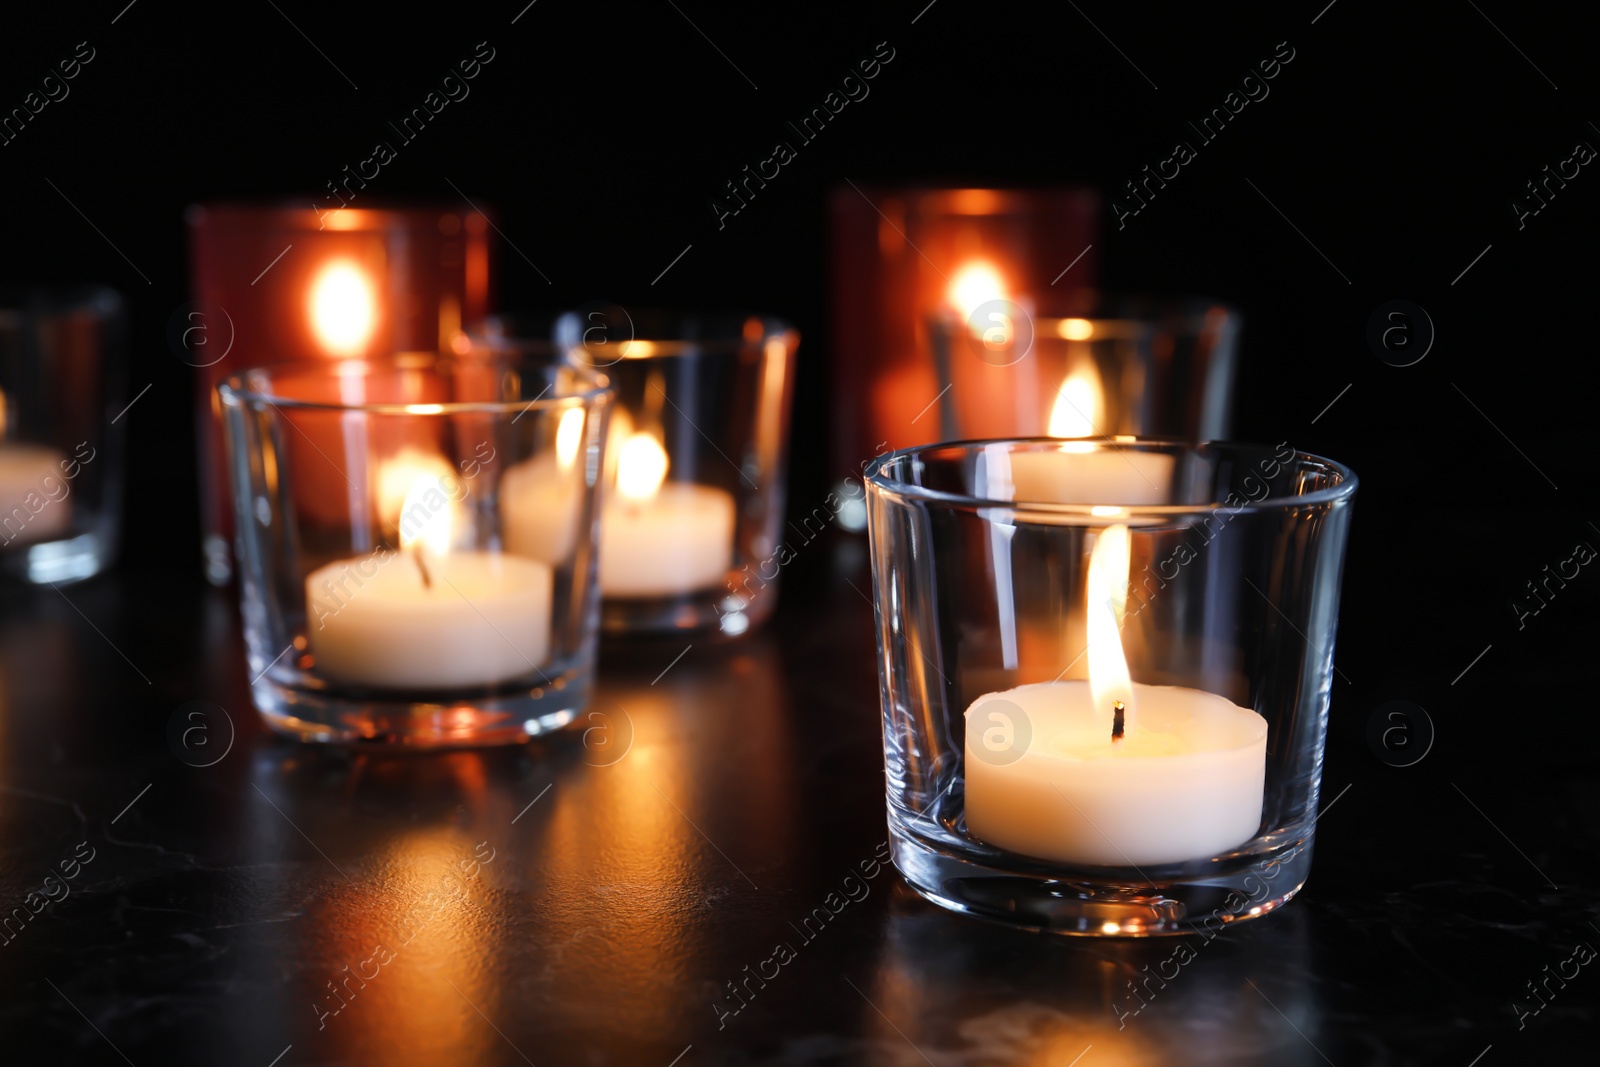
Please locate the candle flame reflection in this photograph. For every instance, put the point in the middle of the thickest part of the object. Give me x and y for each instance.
(1109, 681)
(569, 436)
(343, 308)
(641, 468)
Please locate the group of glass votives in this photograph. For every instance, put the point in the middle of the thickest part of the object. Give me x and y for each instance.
(430, 543)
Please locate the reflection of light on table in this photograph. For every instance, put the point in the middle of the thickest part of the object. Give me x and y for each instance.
(424, 908)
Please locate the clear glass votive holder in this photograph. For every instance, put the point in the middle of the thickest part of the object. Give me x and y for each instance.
(1105, 672)
(1101, 365)
(691, 534)
(416, 544)
(61, 407)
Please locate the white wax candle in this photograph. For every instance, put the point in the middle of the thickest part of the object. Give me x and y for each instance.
(1051, 783)
(676, 541)
(1067, 474)
(539, 505)
(33, 501)
(482, 618)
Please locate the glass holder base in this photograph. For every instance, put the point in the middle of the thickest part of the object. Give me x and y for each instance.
(511, 719)
(1109, 903)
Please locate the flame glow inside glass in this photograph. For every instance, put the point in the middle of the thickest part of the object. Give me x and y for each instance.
(1076, 411)
(344, 308)
(975, 284)
(641, 468)
(569, 436)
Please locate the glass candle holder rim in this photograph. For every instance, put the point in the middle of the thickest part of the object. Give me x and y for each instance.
(968, 199)
(878, 477)
(1148, 313)
(377, 215)
(653, 349)
(246, 387)
(659, 332)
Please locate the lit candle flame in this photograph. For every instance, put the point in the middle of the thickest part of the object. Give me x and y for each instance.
(1109, 682)
(975, 284)
(414, 493)
(343, 308)
(1076, 411)
(425, 520)
(641, 468)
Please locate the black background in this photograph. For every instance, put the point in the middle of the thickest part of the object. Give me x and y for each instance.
(1395, 141)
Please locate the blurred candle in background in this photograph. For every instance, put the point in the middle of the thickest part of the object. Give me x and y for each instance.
(660, 539)
(276, 283)
(933, 291)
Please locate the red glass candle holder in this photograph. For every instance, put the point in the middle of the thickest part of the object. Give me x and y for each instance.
(276, 283)
(904, 258)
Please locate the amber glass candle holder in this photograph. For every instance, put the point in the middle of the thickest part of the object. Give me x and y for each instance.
(284, 282)
(1107, 365)
(901, 256)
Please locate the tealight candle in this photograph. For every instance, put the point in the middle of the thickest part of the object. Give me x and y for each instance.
(1111, 773)
(661, 540)
(30, 478)
(541, 497)
(1082, 472)
(429, 616)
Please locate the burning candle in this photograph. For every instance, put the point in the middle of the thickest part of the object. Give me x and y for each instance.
(660, 539)
(430, 616)
(1082, 472)
(1111, 772)
(541, 498)
(33, 501)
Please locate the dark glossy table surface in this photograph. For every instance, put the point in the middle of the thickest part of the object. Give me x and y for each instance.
(616, 883)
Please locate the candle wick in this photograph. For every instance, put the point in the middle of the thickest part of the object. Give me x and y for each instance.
(427, 582)
(1119, 720)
